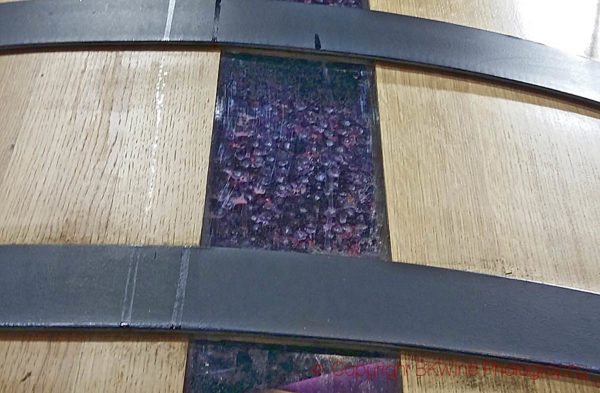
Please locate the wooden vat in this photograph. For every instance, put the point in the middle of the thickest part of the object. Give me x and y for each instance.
(112, 147)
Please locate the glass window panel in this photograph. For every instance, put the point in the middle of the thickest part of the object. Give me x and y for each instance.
(292, 165)
(240, 367)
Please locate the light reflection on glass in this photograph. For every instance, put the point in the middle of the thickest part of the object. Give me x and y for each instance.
(240, 367)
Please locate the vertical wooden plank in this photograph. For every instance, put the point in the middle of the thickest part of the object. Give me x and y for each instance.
(112, 147)
(486, 178)
(449, 374)
(91, 363)
(102, 147)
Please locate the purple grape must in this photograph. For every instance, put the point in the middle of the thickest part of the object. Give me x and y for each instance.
(292, 160)
(292, 166)
(230, 367)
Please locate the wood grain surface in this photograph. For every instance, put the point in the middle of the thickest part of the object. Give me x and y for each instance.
(72, 362)
(484, 178)
(102, 147)
(106, 147)
(490, 179)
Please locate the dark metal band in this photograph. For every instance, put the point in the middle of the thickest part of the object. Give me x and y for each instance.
(300, 296)
(287, 26)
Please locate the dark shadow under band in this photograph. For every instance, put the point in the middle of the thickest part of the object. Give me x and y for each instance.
(351, 33)
(298, 296)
